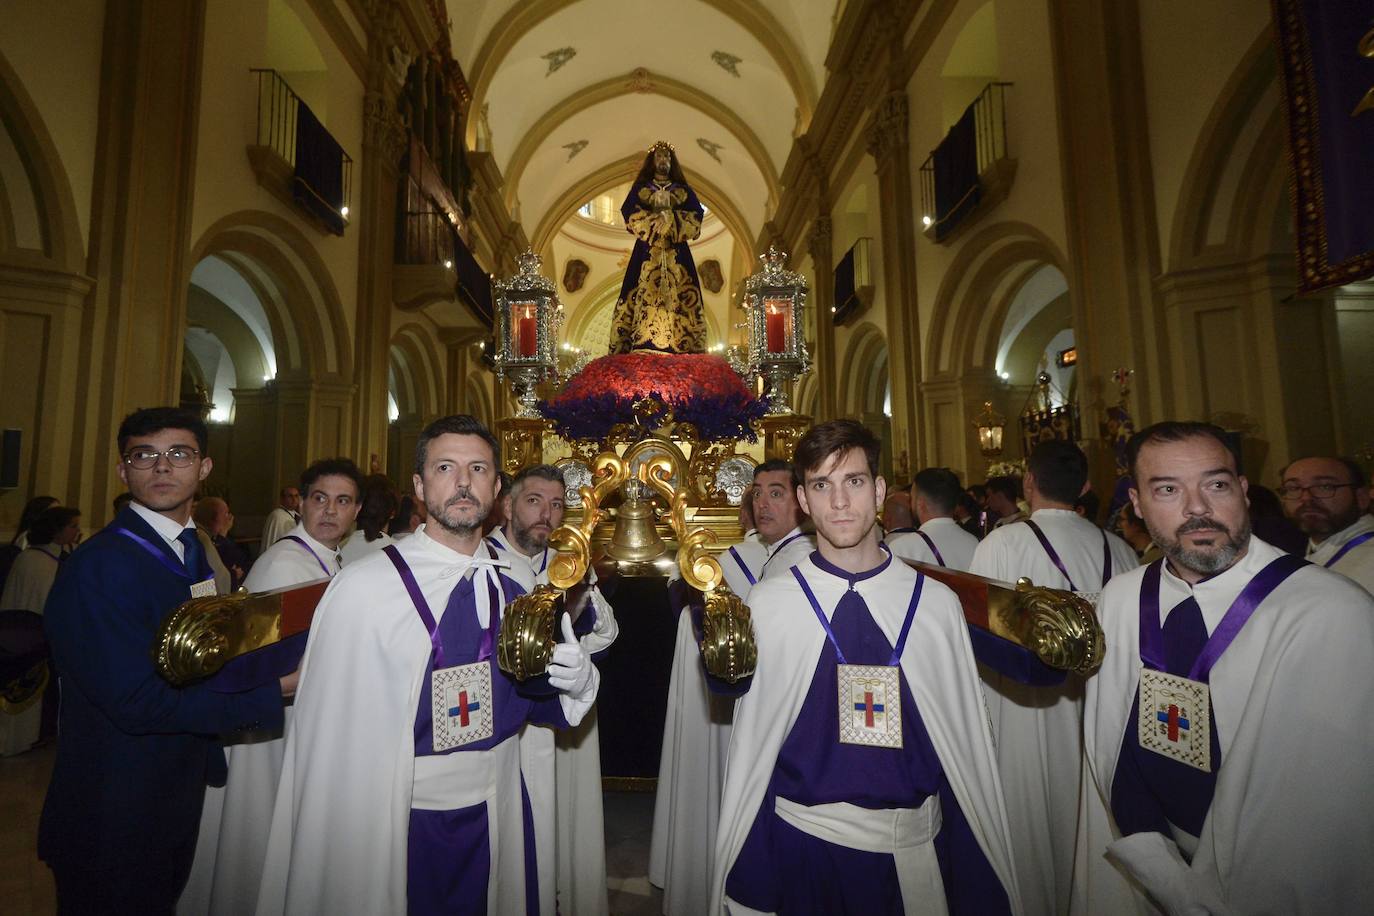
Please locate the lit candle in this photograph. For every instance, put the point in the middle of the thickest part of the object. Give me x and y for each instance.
(528, 335)
(776, 333)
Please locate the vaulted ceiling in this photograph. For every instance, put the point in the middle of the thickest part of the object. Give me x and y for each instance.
(575, 90)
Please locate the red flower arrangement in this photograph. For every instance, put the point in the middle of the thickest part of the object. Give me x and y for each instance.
(696, 388)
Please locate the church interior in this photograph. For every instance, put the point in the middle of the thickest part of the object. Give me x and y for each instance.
(296, 217)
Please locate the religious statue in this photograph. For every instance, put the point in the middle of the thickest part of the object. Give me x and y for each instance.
(660, 304)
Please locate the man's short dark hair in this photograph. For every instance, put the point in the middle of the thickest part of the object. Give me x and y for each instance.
(1060, 470)
(50, 523)
(1008, 486)
(281, 494)
(939, 487)
(547, 472)
(1090, 503)
(1178, 431)
(835, 437)
(1358, 479)
(772, 464)
(332, 467)
(458, 424)
(120, 501)
(147, 420)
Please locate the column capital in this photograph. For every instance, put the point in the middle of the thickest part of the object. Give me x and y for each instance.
(887, 131)
(818, 240)
(383, 128)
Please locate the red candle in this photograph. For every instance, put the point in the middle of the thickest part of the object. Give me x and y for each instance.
(528, 337)
(776, 334)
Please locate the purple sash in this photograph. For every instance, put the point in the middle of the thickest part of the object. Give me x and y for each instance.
(743, 568)
(1347, 547)
(933, 549)
(417, 598)
(1059, 564)
(308, 549)
(830, 634)
(161, 555)
(1236, 616)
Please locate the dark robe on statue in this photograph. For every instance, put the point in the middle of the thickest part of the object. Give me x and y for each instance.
(660, 304)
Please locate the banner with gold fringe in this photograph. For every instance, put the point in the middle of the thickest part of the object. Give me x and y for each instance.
(1326, 68)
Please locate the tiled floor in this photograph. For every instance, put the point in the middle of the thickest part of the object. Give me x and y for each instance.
(26, 884)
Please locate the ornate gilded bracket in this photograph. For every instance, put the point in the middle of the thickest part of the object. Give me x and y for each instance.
(1060, 627)
(525, 643)
(727, 647)
(203, 634)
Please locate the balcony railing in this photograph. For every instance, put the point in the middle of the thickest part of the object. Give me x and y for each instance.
(970, 167)
(318, 174)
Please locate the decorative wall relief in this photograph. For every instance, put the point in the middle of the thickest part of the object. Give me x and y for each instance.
(711, 276)
(575, 274)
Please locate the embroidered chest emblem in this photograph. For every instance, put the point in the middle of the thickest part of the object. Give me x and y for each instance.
(1175, 718)
(870, 705)
(462, 712)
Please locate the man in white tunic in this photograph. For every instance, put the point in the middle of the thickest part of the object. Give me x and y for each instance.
(401, 788)
(934, 493)
(1039, 727)
(282, 518)
(236, 819)
(1229, 723)
(890, 802)
(1328, 498)
(562, 768)
(696, 732)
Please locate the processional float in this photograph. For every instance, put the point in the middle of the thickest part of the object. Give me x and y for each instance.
(653, 481)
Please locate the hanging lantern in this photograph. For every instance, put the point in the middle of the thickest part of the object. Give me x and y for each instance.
(990, 425)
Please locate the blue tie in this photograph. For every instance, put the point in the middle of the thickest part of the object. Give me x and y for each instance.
(194, 554)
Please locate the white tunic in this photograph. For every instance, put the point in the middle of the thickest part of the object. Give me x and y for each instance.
(937, 664)
(563, 778)
(1039, 729)
(236, 819)
(1289, 829)
(1358, 562)
(278, 522)
(696, 739)
(357, 546)
(956, 545)
(339, 830)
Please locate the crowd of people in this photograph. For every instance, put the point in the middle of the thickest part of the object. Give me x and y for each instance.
(1213, 764)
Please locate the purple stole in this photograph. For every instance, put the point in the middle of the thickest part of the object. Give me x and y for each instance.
(1059, 564)
(449, 858)
(782, 869)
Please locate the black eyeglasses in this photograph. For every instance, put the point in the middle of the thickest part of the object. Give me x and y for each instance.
(1292, 492)
(178, 456)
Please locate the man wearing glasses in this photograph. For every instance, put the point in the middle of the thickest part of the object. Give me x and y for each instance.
(135, 754)
(1328, 498)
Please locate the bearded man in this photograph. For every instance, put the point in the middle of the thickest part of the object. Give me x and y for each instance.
(562, 768)
(1227, 729)
(1328, 498)
(401, 786)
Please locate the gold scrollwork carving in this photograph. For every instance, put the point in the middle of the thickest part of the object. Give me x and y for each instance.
(201, 635)
(1060, 627)
(525, 644)
(728, 648)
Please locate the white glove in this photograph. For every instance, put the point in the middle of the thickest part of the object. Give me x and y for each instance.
(571, 669)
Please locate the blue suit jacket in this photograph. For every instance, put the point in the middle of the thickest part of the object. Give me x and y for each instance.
(134, 754)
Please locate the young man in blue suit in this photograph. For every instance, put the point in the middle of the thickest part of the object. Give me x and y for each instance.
(134, 754)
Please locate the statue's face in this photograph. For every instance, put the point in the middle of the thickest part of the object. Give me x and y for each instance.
(663, 161)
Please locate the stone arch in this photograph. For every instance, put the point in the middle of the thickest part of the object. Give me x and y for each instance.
(479, 400)
(807, 398)
(620, 172)
(44, 183)
(610, 88)
(864, 378)
(1239, 152)
(753, 15)
(980, 284)
(415, 357)
(302, 303)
